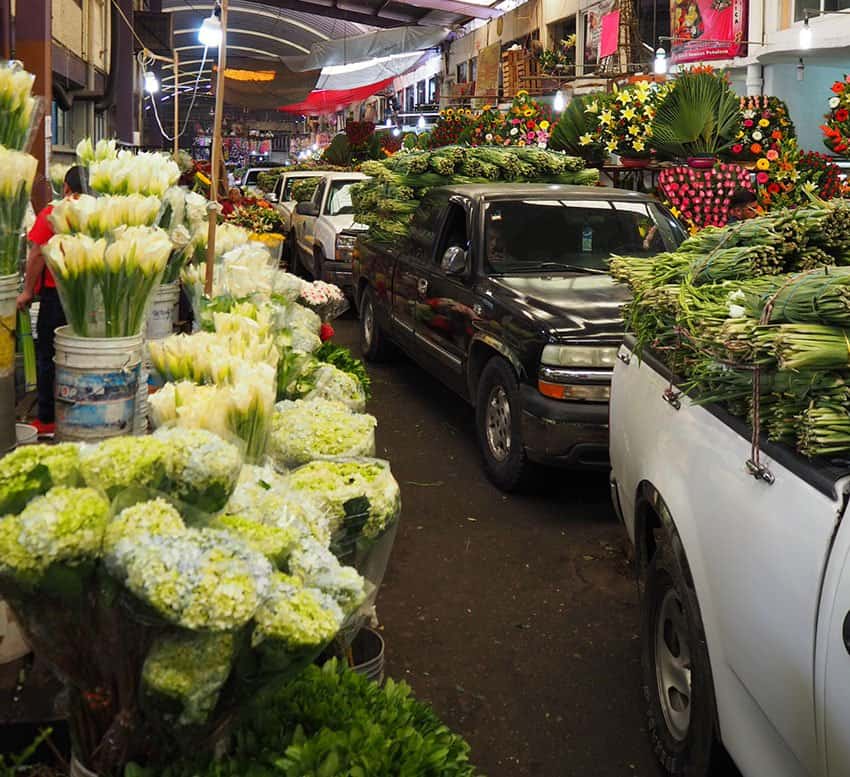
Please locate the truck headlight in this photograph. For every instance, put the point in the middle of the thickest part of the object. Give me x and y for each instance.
(579, 356)
(581, 392)
(345, 247)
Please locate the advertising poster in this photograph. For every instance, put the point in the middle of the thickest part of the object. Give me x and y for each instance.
(707, 29)
(593, 30)
(489, 62)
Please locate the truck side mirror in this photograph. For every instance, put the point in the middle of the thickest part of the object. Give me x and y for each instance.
(307, 209)
(453, 261)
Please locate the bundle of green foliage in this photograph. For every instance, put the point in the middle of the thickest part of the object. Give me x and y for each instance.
(341, 357)
(303, 190)
(331, 722)
(339, 151)
(268, 178)
(577, 131)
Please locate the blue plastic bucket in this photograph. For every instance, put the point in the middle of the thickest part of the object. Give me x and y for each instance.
(97, 385)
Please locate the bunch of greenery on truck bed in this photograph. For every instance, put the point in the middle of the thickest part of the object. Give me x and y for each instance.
(767, 298)
(386, 203)
(266, 180)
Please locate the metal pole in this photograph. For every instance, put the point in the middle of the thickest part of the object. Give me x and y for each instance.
(216, 149)
(176, 105)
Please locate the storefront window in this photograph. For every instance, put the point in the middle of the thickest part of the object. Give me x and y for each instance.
(420, 93)
(825, 6)
(409, 99)
(461, 73)
(61, 126)
(473, 69)
(432, 90)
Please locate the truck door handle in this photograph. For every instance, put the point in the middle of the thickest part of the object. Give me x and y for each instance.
(845, 632)
(422, 286)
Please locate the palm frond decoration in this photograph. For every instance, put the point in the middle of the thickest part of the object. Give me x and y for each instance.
(701, 115)
(576, 130)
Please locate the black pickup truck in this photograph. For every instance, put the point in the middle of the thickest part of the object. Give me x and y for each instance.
(502, 292)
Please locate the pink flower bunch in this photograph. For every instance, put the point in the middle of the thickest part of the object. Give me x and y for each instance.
(701, 197)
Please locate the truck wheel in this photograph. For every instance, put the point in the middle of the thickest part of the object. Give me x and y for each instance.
(373, 343)
(676, 670)
(498, 416)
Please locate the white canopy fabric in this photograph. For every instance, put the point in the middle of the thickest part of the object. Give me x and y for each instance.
(338, 77)
(372, 46)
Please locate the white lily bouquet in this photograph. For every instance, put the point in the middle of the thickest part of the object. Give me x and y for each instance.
(19, 110)
(17, 173)
(87, 152)
(100, 216)
(166, 584)
(106, 284)
(184, 217)
(128, 173)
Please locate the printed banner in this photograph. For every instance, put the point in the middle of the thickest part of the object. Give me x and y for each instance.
(610, 37)
(593, 30)
(707, 29)
(489, 63)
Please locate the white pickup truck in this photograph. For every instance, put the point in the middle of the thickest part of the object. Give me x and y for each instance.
(745, 584)
(325, 232)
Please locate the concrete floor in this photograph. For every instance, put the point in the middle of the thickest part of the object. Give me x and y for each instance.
(515, 616)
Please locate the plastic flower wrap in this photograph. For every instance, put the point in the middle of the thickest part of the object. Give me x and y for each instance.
(17, 173)
(124, 462)
(340, 486)
(305, 430)
(32, 470)
(318, 567)
(227, 236)
(129, 173)
(189, 406)
(88, 153)
(201, 579)
(288, 286)
(65, 525)
(99, 216)
(295, 371)
(324, 299)
(17, 106)
(297, 616)
(190, 669)
(263, 496)
(332, 383)
(202, 469)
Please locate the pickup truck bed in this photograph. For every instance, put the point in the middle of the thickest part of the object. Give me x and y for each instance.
(764, 582)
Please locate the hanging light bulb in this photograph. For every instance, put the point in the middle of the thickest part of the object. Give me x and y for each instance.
(805, 34)
(151, 83)
(660, 65)
(389, 122)
(421, 123)
(210, 33)
(396, 132)
(560, 102)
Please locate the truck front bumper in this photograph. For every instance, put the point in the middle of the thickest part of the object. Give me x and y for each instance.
(563, 433)
(338, 273)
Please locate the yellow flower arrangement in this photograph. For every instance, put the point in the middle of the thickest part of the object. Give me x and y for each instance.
(763, 164)
(544, 125)
(764, 123)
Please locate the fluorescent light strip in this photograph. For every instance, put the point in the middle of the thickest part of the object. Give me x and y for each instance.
(240, 31)
(254, 12)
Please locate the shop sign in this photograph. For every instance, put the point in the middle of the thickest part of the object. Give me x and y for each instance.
(707, 30)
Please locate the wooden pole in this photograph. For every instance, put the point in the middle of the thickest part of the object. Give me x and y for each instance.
(176, 105)
(216, 150)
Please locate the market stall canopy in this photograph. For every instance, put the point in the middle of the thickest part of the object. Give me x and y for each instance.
(328, 101)
(371, 46)
(260, 83)
(340, 77)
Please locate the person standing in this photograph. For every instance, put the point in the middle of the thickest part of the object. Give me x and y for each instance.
(38, 280)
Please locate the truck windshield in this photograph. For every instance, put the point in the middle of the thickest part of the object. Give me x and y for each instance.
(577, 235)
(339, 199)
(287, 186)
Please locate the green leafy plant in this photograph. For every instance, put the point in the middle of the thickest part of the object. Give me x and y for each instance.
(303, 190)
(332, 722)
(576, 132)
(700, 116)
(339, 151)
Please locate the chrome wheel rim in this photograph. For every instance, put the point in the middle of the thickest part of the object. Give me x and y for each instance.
(498, 423)
(673, 665)
(368, 323)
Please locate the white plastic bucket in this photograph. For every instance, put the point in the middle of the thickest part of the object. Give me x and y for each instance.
(26, 434)
(161, 316)
(97, 385)
(13, 645)
(8, 313)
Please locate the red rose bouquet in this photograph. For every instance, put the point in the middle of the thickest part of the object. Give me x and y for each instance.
(836, 131)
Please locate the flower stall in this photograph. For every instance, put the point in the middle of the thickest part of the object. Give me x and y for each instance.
(624, 124)
(765, 126)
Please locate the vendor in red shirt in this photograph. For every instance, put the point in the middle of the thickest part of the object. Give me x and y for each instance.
(38, 280)
(233, 200)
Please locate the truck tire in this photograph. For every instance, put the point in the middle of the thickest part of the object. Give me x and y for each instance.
(498, 421)
(373, 343)
(677, 680)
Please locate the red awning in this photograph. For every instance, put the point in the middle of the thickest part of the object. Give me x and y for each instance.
(330, 100)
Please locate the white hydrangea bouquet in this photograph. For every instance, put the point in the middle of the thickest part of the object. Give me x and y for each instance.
(165, 582)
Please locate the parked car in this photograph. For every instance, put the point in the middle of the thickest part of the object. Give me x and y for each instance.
(502, 292)
(281, 195)
(744, 582)
(324, 229)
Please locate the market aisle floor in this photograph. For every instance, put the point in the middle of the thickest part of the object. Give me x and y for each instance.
(515, 616)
